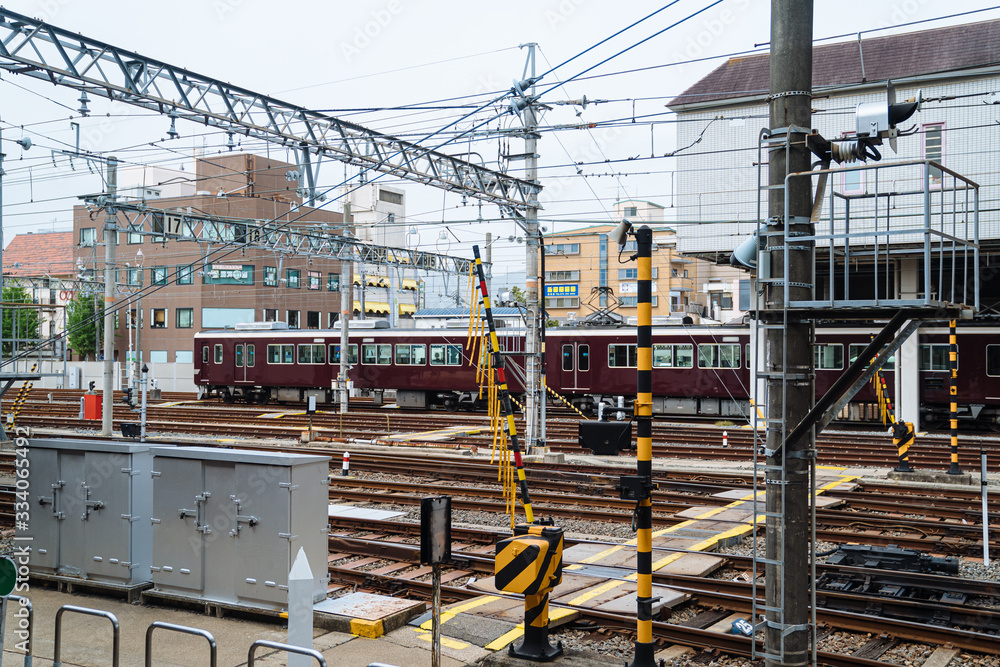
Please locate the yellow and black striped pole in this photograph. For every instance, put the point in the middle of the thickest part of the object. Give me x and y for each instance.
(640, 487)
(507, 419)
(902, 438)
(953, 390)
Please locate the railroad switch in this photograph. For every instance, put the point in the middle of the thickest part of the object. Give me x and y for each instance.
(530, 563)
(636, 487)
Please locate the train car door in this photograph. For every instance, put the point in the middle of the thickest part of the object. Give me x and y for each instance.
(244, 358)
(574, 364)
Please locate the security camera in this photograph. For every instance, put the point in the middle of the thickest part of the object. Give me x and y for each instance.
(620, 233)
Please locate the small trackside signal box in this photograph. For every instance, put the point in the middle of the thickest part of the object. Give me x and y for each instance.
(531, 561)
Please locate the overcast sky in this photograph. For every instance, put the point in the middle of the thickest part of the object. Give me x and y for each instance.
(344, 56)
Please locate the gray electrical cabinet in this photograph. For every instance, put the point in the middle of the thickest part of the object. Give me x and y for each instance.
(90, 504)
(227, 524)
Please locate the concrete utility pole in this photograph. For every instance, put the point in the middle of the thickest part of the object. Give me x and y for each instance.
(346, 298)
(788, 358)
(110, 240)
(531, 242)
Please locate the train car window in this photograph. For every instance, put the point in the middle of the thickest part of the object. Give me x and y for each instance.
(567, 357)
(384, 354)
(411, 355)
(993, 360)
(204, 354)
(218, 353)
(312, 354)
(369, 354)
(934, 357)
(854, 349)
(250, 355)
(829, 357)
(437, 355)
(454, 355)
(352, 354)
(622, 356)
(239, 356)
(583, 358)
(673, 356)
(711, 355)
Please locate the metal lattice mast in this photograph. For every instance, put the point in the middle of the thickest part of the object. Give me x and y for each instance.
(30, 47)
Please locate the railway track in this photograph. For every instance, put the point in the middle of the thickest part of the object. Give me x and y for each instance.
(381, 425)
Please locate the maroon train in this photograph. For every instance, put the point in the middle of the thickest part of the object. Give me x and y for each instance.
(697, 370)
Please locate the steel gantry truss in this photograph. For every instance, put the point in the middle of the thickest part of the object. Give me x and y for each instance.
(306, 239)
(33, 48)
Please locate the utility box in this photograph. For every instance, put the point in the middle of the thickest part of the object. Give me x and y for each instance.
(605, 438)
(90, 503)
(92, 407)
(227, 524)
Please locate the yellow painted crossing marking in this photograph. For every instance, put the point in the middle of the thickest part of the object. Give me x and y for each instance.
(438, 433)
(447, 642)
(503, 640)
(455, 611)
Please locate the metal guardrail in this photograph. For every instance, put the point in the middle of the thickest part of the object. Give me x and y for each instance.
(115, 629)
(283, 647)
(213, 657)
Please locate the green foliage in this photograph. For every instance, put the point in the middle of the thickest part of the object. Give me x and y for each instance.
(517, 294)
(20, 323)
(83, 325)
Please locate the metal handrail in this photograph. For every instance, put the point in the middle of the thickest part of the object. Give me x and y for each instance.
(116, 632)
(283, 647)
(213, 658)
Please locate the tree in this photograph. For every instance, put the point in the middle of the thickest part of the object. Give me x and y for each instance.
(83, 325)
(517, 294)
(18, 322)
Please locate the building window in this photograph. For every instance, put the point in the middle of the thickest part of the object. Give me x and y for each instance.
(562, 302)
(855, 349)
(185, 274)
(185, 318)
(411, 355)
(828, 357)
(633, 274)
(158, 356)
(935, 357)
(380, 355)
(312, 319)
(390, 197)
(561, 276)
(270, 314)
(280, 354)
(352, 354)
(333, 282)
(446, 355)
(631, 210)
(312, 354)
(315, 280)
(292, 278)
(622, 356)
(159, 318)
(218, 353)
(159, 275)
(934, 149)
(184, 357)
(718, 356)
(673, 356)
(563, 249)
(270, 276)
(88, 236)
(723, 300)
(331, 319)
(134, 236)
(633, 301)
(293, 319)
